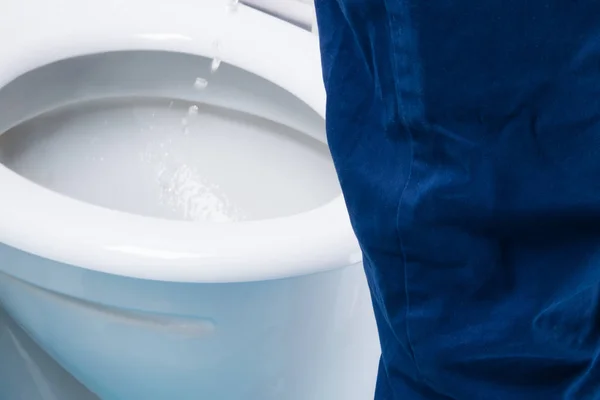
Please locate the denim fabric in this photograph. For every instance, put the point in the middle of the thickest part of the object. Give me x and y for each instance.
(466, 136)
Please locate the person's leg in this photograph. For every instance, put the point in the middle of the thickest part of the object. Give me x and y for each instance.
(465, 135)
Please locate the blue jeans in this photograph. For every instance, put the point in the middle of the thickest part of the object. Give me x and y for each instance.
(466, 136)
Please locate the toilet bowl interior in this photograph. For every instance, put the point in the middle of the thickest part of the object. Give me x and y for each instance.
(157, 134)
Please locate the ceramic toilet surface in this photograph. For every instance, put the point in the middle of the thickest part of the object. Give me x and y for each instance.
(28, 373)
(244, 38)
(168, 232)
(141, 138)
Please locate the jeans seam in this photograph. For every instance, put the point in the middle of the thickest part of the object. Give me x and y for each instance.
(401, 197)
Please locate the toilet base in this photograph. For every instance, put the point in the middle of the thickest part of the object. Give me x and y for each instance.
(27, 372)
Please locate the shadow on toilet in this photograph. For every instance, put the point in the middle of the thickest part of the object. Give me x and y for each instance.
(28, 373)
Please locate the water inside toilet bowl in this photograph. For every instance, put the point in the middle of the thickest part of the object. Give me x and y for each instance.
(171, 157)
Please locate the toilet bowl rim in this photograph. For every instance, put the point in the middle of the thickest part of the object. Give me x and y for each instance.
(47, 224)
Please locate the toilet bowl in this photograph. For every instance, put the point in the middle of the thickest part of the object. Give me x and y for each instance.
(170, 220)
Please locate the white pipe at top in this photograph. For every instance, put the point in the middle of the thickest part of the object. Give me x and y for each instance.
(301, 12)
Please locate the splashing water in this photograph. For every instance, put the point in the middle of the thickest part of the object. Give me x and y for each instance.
(199, 200)
(193, 110)
(186, 128)
(216, 61)
(233, 5)
(200, 83)
(215, 64)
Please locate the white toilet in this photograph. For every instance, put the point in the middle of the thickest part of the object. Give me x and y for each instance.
(168, 231)
(28, 373)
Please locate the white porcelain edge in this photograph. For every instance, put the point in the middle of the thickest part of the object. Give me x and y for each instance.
(72, 232)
